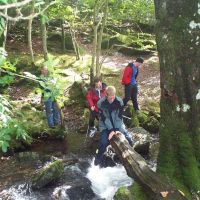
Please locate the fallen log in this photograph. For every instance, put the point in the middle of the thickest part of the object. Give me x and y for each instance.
(136, 167)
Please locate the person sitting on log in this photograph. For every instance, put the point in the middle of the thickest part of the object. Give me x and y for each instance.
(93, 95)
(110, 123)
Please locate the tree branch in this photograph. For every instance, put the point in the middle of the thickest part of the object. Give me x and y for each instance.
(21, 17)
(14, 5)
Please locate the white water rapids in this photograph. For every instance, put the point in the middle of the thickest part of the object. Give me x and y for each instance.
(106, 181)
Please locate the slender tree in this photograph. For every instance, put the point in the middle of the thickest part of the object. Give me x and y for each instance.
(44, 36)
(30, 34)
(99, 20)
(100, 36)
(62, 25)
(178, 40)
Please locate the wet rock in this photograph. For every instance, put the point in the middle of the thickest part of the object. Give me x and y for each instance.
(81, 191)
(141, 139)
(70, 161)
(47, 174)
(154, 150)
(27, 156)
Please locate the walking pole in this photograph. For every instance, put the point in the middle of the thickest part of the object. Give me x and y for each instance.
(126, 117)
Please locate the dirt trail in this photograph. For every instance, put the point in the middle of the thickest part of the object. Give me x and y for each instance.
(148, 78)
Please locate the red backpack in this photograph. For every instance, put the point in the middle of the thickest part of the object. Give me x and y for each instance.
(127, 74)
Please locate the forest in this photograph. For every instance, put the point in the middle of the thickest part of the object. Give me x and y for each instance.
(53, 55)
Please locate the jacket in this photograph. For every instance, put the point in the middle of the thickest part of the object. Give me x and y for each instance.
(92, 96)
(127, 74)
(111, 115)
(49, 89)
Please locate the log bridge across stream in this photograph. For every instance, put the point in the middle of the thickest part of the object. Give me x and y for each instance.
(157, 186)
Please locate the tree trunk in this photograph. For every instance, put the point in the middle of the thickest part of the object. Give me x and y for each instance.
(63, 34)
(92, 67)
(74, 42)
(100, 35)
(30, 36)
(177, 35)
(157, 186)
(30, 39)
(94, 44)
(5, 30)
(44, 38)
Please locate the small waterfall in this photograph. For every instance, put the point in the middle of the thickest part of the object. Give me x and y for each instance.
(106, 181)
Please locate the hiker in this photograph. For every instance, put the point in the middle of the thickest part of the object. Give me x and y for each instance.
(93, 95)
(129, 80)
(110, 123)
(47, 85)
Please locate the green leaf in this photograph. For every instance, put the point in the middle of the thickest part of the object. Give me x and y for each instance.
(3, 1)
(4, 146)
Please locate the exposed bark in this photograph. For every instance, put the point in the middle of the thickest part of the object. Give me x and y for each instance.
(14, 5)
(30, 36)
(177, 35)
(44, 38)
(5, 30)
(137, 168)
(99, 41)
(95, 27)
(63, 34)
(75, 45)
(20, 16)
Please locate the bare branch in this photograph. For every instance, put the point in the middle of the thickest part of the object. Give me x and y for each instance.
(21, 17)
(15, 5)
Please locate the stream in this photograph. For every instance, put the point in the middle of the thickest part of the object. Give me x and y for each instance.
(80, 181)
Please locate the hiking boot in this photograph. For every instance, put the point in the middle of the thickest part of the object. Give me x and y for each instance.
(92, 131)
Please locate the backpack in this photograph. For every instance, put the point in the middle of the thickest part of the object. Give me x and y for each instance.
(127, 74)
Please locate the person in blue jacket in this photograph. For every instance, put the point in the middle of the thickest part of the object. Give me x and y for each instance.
(129, 80)
(110, 109)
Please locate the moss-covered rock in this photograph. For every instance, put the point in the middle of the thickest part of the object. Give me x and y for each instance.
(132, 51)
(142, 117)
(152, 124)
(138, 193)
(109, 42)
(47, 174)
(130, 117)
(76, 94)
(57, 37)
(122, 194)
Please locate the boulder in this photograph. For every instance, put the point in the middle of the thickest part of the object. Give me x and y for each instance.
(47, 174)
(141, 139)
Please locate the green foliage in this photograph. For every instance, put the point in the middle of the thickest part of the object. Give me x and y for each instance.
(6, 67)
(138, 193)
(137, 11)
(61, 11)
(6, 80)
(10, 127)
(51, 84)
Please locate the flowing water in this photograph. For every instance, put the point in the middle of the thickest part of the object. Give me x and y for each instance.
(80, 181)
(106, 181)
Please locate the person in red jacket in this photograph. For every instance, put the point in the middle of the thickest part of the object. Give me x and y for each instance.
(93, 96)
(130, 83)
